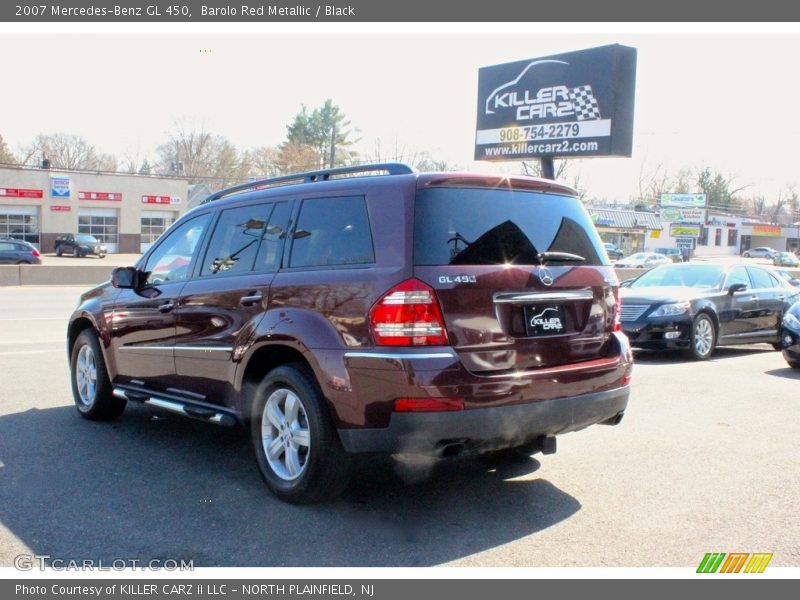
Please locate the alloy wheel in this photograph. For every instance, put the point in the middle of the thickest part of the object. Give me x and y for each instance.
(86, 376)
(285, 434)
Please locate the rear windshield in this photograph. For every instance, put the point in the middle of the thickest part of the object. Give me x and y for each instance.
(696, 276)
(454, 226)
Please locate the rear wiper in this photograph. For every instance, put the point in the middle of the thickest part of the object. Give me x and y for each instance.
(544, 257)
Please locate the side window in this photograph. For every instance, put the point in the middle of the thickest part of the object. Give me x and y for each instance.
(737, 275)
(761, 278)
(170, 261)
(6, 247)
(234, 244)
(269, 253)
(332, 231)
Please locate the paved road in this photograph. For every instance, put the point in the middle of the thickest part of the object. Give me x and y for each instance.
(705, 460)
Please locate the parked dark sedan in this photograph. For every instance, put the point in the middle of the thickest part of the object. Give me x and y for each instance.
(790, 336)
(696, 307)
(17, 252)
(80, 244)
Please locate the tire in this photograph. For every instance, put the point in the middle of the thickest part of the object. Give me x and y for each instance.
(91, 387)
(75, 253)
(58, 250)
(793, 363)
(703, 337)
(746, 255)
(288, 414)
(777, 346)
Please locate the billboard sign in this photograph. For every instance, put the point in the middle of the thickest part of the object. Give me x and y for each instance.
(59, 187)
(683, 215)
(766, 231)
(683, 200)
(20, 193)
(161, 200)
(684, 230)
(566, 105)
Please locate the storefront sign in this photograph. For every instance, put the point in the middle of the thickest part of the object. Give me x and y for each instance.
(681, 230)
(572, 104)
(685, 242)
(767, 231)
(57, 208)
(683, 215)
(59, 187)
(112, 196)
(20, 193)
(717, 222)
(683, 200)
(161, 200)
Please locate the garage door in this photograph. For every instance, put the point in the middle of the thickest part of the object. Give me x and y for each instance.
(102, 223)
(20, 222)
(154, 223)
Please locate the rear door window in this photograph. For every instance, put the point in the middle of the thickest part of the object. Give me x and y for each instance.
(234, 244)
(455, 226)
(761, 279)
(332, 231)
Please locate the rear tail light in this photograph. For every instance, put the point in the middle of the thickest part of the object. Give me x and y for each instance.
(428, 404)
(35, 252)
(408, 315)
(617, 310)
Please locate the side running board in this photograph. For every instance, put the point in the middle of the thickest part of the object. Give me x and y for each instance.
(186, 409)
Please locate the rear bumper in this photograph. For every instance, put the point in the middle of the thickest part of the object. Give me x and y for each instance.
(488, 428)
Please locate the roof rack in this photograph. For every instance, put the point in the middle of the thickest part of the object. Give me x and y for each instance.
(311, 177)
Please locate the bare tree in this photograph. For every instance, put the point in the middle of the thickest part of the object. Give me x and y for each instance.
(6, 157)
(201, 156)
(65, 151)
(653, 183)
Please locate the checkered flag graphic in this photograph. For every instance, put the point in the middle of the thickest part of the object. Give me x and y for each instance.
(583, 100)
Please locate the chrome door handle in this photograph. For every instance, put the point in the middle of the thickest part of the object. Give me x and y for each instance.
(251, 299)
(167, 306)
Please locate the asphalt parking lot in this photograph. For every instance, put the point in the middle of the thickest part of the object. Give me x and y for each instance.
(705, 461)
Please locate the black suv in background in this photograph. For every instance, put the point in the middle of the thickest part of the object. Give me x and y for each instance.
(364, 310)
(80, 244)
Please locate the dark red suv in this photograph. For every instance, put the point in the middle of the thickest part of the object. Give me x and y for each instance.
(359, 310)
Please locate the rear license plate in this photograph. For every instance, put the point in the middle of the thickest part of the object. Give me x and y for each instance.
(544, 319)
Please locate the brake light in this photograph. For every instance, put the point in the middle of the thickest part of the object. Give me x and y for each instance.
(408, 315)
(35, 252)
(617, 310)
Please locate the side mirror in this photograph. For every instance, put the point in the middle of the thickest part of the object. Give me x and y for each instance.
(124, 278)
(737, 287)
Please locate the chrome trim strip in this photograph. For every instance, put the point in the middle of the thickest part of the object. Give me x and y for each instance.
(398, 356)
(118, 393)
(205, 348)
(169, 348)
(172, 348)
(506, 298)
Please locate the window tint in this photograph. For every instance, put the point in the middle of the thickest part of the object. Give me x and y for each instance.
(170, 261)
(490, 227)
(332, 231)
(269, 253)
(234, 244)
(761, 278)
(737, 275)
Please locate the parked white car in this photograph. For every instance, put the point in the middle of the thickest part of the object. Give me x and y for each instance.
(760, 252)
(643, 260)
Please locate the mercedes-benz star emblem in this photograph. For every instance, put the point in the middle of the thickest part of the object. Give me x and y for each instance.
(545, 276)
